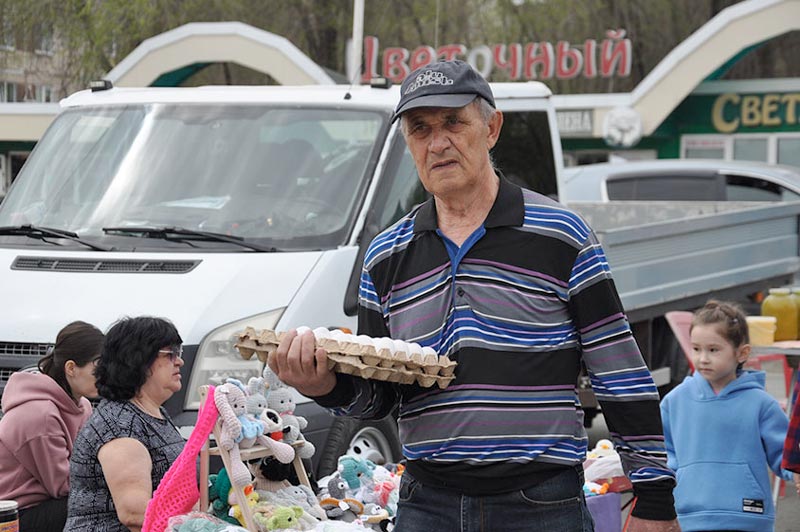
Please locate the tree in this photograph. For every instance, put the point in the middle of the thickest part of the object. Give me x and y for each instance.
(94, 35)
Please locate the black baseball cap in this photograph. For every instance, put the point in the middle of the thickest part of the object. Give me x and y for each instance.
(442, 84)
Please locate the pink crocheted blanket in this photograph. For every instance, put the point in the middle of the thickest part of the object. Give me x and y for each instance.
(177, 493)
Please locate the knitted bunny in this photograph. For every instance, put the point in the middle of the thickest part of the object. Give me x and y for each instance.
(255, 419)
(230, 401)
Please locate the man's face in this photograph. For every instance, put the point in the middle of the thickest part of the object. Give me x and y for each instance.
(450, 146)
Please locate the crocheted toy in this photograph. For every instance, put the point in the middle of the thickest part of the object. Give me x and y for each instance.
(271, 475)
(274, 424)
(231, 404)
(602, 448)
(281, 400)
(337, 487)
(272, 382)
(236, 511)
(218, 492)
(200, 522)
(284, 498)
(255, 428)
(304, 496)
(353, 469)
(593, 488)
(285, 518)
(347, 509)
(339, 526)
(292, 435)
(373, 517)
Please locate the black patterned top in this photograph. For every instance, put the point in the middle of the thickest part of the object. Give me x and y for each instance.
(90, 506)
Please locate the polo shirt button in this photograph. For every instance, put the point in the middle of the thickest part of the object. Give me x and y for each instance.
(460, 292)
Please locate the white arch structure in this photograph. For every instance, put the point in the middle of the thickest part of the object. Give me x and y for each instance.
(732, 30)
(217, 42)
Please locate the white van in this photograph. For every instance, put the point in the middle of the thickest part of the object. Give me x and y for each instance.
(222, 207)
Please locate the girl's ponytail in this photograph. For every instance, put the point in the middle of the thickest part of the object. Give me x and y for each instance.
(80, 342)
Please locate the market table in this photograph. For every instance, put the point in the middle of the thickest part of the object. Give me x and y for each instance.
(791, 350)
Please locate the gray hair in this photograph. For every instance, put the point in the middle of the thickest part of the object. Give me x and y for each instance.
(484, 108)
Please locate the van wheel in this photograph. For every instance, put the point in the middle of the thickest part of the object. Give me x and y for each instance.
(377, 441)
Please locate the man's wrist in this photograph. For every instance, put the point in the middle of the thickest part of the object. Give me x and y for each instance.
(654, 503)
(341, 394)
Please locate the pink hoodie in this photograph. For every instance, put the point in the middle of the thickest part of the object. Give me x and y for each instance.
(39, 424)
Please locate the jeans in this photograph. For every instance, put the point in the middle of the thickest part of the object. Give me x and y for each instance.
(556, 505)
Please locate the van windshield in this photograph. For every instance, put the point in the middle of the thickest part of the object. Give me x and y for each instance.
(288, 177)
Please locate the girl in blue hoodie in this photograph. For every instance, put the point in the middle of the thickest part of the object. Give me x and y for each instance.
(721, 429)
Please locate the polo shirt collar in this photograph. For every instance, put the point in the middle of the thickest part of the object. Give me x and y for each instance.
(508, 209)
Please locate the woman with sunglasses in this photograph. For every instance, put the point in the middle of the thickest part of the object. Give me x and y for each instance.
(129, 442)
(43, 412)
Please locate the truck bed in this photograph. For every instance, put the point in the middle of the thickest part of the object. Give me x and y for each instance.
(676, 255)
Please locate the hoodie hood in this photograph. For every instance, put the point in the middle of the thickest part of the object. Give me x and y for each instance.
(746, 380)
(24, 388)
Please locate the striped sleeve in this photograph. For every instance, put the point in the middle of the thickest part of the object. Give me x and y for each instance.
(621, 381)
(354, 396)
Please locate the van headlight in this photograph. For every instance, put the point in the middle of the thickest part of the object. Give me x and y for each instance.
(217, 358)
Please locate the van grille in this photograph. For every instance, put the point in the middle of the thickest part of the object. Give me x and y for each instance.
(103, 266)
(19, 349)
(19, 355)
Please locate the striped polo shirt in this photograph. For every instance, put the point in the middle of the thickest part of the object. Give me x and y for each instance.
(519, 305)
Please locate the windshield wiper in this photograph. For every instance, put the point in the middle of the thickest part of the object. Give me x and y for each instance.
(170, 233)
(34, 231)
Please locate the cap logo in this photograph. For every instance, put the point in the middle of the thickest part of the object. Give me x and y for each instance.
(429, 77)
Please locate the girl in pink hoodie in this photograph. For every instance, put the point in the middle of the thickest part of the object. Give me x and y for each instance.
(42, 413)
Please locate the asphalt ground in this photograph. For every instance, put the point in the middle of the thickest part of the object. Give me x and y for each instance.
(787, 517)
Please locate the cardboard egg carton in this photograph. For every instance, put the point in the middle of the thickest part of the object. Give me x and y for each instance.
(382, 359)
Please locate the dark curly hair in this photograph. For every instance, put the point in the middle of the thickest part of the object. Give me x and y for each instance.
(80, 342)
(130, 349)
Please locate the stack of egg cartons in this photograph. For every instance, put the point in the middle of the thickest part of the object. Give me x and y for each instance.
(382, 359)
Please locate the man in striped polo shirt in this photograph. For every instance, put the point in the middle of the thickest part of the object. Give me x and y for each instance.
(516, 289)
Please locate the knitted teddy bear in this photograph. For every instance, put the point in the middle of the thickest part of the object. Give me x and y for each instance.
(230, 401)
(281, 400)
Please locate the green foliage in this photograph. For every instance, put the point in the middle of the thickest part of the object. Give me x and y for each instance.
(92, 36)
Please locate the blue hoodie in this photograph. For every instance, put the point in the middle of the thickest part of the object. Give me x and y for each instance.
(719, 446)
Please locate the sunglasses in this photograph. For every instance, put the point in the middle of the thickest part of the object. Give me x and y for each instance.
(174, 352)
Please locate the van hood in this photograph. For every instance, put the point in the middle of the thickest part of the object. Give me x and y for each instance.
(221, 288)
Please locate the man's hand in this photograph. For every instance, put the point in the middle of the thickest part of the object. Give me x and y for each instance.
(797, 482)
(643, 525)
(297, 363)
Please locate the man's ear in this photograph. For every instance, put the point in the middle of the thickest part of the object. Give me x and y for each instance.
(495, 125)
